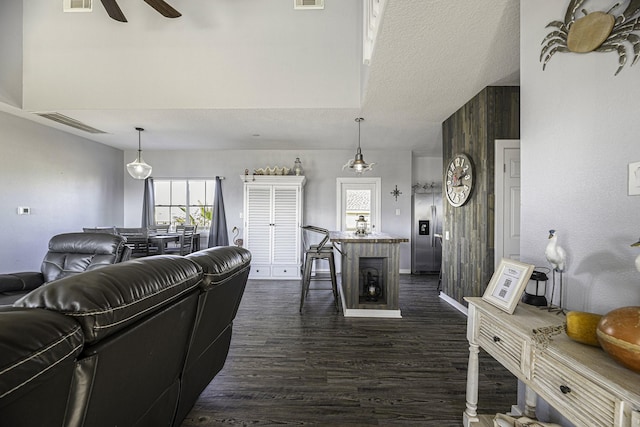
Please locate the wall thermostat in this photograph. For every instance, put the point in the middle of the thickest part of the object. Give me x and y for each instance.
(24, 210)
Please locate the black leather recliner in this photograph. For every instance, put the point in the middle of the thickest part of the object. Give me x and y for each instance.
(69, 254)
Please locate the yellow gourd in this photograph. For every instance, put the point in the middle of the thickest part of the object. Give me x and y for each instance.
(582, 327)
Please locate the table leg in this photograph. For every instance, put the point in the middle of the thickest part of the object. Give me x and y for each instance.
(471, 414)
(530, 397)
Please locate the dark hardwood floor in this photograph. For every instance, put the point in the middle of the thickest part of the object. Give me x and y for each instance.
(320, 368)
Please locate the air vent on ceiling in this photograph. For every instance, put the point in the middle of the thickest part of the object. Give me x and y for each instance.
(77, 5)
(308, 4)
(68, 121)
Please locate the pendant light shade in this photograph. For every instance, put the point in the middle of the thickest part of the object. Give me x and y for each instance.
(138, 169)
(357, 164)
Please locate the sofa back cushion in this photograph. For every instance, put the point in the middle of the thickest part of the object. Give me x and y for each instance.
(221, 263)
(113, 297)
(225, 273)
(73, 253)
(224, 267)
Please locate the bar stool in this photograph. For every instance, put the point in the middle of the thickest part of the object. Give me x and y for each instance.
(317, 252)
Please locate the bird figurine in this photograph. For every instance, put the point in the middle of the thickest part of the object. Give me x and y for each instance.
(555, 254)
(557, 257)
(236, 241)
(638, 257)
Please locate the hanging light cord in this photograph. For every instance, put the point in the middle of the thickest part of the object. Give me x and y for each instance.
(139, 144)
(359, 119)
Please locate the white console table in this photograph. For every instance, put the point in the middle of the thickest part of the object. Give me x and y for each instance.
(583, 383)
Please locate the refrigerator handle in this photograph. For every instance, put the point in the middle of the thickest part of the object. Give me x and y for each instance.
(432, 224)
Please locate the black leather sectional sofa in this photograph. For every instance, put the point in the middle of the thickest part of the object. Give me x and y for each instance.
(128, 344)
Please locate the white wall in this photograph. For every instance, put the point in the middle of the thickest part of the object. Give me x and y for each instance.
(580, 130)
(67, 181)
(427, 170)
(11, 52)
(321, 169)
(155, 62)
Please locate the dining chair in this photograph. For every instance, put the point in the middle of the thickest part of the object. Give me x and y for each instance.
(185, 243)
(158, 229)
(106, 230)
(154, 230)
(180, 227)
(137, 240)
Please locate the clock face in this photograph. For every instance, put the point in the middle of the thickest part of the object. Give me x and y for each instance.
(459, 180)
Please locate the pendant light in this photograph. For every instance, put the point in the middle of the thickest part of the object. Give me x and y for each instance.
(138, 169)
(357, 164)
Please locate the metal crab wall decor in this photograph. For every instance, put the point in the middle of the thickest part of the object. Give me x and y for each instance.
(595, 31)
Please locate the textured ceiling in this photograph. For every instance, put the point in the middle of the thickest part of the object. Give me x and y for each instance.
(430, 57)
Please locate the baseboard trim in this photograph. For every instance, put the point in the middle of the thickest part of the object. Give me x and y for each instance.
(357, 312)
(455, 304)
(388, 314)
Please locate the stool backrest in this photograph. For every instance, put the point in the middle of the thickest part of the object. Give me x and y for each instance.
(320, 230)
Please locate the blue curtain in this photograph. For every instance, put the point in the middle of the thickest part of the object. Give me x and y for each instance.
(218, 235)
(148, 204)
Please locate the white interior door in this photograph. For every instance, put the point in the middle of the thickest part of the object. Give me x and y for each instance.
(507, 208)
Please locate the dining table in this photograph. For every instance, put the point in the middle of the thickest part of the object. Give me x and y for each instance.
(161, 240)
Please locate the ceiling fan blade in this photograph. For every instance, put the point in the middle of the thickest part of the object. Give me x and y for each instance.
(113, 10)
(164, 8)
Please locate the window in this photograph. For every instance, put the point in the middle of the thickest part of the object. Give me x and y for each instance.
(358, 196)
(358, 202)
(176, 197)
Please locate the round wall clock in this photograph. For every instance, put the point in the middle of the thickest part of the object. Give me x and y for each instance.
(459, 180)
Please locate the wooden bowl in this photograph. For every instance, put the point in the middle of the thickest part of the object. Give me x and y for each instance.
(619, 335)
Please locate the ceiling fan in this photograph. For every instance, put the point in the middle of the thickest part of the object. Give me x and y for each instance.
(161, 6)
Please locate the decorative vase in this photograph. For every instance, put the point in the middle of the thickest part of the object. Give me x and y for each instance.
(297, 167)
(619, 335)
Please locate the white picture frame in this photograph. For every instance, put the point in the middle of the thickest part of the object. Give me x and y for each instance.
(507, 284)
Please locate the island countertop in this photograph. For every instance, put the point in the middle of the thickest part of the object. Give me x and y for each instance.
(351, 237)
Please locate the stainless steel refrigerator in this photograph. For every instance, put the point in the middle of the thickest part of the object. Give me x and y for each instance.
(426, 241)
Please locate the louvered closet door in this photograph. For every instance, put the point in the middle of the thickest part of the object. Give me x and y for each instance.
(259, 224)
(286, 228)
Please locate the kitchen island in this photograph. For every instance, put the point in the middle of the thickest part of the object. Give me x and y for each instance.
(370, 273)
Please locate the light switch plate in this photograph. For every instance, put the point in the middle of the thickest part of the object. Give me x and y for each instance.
(634, 179)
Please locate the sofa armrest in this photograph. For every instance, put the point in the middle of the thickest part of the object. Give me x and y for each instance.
(38, 349)
(20, 281)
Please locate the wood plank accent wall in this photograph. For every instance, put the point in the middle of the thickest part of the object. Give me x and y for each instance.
(468, 255)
